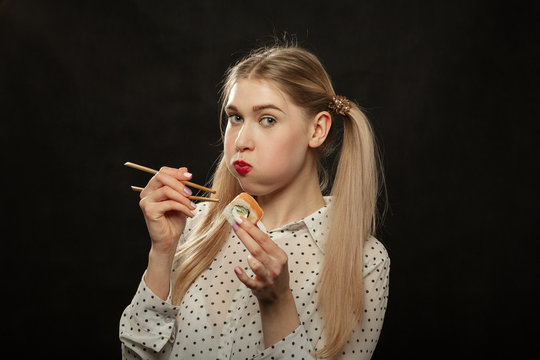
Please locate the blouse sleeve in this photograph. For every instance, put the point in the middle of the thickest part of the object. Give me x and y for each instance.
(146, 324)
(296, 345)
(362, 343)
(363, 340)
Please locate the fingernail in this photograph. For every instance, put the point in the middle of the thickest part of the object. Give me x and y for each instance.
(235, 227)
(193, 205)
(238, 271)
(187, 191)
(238, 220)
(186, 174)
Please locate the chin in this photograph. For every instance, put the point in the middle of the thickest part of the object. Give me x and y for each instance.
(251, 188)
(242, 181)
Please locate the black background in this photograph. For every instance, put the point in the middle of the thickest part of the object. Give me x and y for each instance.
(451, 88)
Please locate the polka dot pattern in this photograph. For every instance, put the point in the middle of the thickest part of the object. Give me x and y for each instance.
(219, 316)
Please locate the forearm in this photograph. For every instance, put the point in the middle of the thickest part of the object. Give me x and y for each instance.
(279, 318)
(158, 273)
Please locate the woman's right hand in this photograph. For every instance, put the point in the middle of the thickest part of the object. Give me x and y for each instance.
(165, 205)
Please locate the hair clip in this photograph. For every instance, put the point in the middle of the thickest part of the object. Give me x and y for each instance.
(340, 105)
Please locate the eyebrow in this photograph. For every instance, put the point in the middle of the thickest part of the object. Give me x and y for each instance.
(257, 108)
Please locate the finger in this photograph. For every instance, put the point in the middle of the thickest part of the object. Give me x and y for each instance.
(246, 280)
(168, 193)
(166, 196)
(266, 245)
(181, 174)
(258, 268)
(170, 177)
(262, 264)
(158, 209)
(258, 235)
(252, 246)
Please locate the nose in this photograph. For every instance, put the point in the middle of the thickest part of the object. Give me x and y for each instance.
(244, 139)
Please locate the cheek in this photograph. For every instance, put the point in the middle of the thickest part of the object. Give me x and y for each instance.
(228, 144)
(284, 155)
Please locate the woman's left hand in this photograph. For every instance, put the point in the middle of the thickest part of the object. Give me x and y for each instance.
(270, 285)
(267, 260)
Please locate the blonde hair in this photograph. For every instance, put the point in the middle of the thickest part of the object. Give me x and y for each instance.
(300, 74)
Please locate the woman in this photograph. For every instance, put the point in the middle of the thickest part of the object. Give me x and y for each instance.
(309, 280)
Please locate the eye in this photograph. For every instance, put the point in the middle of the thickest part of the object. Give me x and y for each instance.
(234, 119)
(267, 121)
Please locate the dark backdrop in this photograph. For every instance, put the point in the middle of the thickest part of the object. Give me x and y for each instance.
(451, 89)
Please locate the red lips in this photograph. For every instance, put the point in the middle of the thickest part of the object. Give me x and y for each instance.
(242, 167)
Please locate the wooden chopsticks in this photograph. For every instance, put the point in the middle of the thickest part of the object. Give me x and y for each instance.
(185, 182)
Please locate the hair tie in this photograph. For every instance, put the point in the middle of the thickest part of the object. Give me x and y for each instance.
(340, 105)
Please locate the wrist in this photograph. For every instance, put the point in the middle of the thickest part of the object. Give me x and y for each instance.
(277, 301)
(160, 254)
(160, 262)
(158, 273)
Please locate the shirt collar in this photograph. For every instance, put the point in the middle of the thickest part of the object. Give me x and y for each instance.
(317, 225)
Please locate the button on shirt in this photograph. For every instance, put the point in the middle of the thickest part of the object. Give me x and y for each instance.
(219, 318)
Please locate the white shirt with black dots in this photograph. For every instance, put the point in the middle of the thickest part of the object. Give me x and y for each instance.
(218, 317)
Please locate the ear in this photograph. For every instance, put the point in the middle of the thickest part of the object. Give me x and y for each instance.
(320, 126)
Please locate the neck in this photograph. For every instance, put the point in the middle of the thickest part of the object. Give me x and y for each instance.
(294, 202)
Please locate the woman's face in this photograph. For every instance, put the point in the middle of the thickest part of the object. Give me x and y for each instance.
(267, 137)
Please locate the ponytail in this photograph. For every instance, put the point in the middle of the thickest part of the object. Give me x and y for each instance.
(353, 220)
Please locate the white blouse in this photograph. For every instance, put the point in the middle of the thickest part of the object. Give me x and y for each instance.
(218, 317)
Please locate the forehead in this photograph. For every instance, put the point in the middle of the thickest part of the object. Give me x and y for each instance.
(256, 92)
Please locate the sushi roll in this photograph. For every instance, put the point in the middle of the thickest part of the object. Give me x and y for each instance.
(243, 206)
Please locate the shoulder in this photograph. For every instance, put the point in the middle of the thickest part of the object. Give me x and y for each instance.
(375, 255)
(202, 209)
